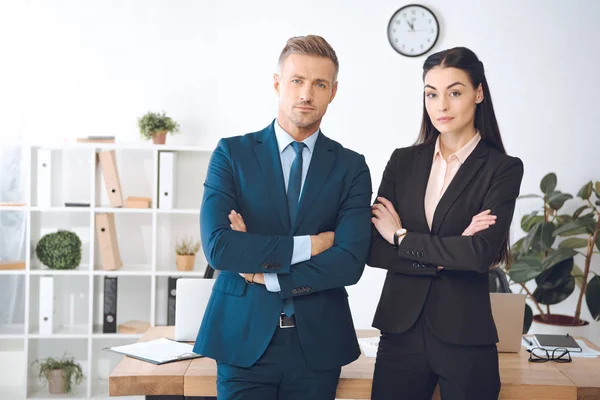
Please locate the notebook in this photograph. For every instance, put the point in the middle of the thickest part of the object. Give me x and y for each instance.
(158, 351)
(551, 342)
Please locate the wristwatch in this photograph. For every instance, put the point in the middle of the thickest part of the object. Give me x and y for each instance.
(397, 235)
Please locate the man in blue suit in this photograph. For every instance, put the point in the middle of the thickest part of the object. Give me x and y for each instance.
(286, 220)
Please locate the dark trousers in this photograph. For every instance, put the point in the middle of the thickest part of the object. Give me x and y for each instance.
(280, 374)
(410, 364)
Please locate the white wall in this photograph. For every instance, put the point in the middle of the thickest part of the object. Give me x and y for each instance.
(74, 68)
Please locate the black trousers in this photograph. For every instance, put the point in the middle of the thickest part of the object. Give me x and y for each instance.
(280, 374)
(410, 364)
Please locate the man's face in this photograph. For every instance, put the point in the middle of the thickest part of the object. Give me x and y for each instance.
(305, 86)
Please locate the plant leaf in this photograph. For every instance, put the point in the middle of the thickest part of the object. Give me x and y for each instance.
(543, 238)
(548, 183)
(556, 295)
(592, 297)
(557, 199)
(556, 275)
(573, 243)
(575, 227)
(597, 188)
(517, 246)
(525, 268)
(527, 318)
(586, 191)
(557, 256)
(577, 273)
(528, 221)
(598, 241)
(578, 212)
(530, 196)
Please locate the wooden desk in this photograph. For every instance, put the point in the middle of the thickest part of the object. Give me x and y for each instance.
(520, 378)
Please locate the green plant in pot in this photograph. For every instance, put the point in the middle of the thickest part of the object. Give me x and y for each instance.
(186, 250)
(59, 250)
(542, 257)
(155, 126)
(61, 374)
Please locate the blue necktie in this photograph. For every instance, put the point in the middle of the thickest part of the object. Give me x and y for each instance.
(293, 196)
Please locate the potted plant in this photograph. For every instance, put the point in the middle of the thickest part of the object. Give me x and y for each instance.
(61, 374)
(59, 250)
(156, 126)
(551, 263)
(186, 254)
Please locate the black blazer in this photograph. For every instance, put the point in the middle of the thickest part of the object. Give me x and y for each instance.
(456, 300)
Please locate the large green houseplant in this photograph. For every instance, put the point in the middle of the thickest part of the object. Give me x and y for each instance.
(540, 256)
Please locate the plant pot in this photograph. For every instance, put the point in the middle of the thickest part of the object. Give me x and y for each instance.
(185, 262)
(56, 381)
(159, 137)
(557, 324)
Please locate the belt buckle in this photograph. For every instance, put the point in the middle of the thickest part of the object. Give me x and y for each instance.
(281, 316)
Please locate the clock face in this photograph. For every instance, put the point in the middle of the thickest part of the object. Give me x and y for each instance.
(413, 30)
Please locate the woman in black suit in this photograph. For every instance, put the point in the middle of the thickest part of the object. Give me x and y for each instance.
(441, 220)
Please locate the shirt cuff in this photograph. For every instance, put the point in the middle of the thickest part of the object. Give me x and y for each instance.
(272, 282)
(302, 249)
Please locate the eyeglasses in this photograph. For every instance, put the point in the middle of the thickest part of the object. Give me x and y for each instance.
(540, 355)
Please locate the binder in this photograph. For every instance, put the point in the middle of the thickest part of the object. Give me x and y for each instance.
(108, 245)
(46, 321)
(157, 351)
(172, 297)
(166, 179)
(44, 177)
(109, 324)
(110, 172)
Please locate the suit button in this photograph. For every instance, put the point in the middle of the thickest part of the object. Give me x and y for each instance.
(307, 289)
(409, 252)
(421, 254)
(265, 265)
(294, 291)
(275, 266)
(415, 265)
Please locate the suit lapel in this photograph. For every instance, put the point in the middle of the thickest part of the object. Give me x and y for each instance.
(318, 172)
(465, 174)
(423, 163)
(267, 154)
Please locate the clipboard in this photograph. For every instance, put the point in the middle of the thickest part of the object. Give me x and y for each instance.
(157, 351)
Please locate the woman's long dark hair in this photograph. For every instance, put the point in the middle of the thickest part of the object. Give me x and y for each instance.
(485, 118)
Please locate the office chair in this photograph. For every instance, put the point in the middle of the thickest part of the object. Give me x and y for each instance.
(498, 281)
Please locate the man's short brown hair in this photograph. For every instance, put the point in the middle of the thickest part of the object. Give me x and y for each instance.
(310, 45)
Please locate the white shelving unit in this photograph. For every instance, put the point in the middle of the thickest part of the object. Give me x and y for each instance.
(146, 240)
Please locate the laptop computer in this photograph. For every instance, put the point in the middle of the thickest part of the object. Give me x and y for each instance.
(508, 310)
(191, 300)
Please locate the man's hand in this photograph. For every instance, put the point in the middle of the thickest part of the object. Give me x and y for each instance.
(480, 222)
(238, 224)
(321, 242)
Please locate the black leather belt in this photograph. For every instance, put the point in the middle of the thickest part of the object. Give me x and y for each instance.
(287, 322)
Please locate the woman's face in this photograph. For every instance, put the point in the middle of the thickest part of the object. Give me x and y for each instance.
(451, 99)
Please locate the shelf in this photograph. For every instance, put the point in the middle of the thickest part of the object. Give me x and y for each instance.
(13, 208)
(126, 269)
(99, 335)
(61, 209)
(62, 332)
(125, 146)
(122, 210)
(41, 392)
(13, 272)
(193, 211)
(14, 331)
(83, 269)
(180, 273)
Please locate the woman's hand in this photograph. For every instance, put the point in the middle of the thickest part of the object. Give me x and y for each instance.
(386, 219)
(480, 222)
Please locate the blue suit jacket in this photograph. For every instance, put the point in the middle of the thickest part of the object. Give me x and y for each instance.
(245, 174)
